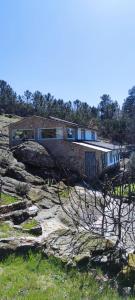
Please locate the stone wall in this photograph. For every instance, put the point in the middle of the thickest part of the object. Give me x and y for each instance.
(71, 155)
(67, 153)
(35, 123)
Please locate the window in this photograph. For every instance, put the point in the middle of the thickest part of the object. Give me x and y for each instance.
(23, 134)
(70, 133)
(50, 133)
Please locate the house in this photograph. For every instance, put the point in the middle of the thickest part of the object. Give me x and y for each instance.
(74, 146)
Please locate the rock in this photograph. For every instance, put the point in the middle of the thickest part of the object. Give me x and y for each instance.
(69, 245)
(35, 194)
(37, 230)
(9, 185)
(82, 259)
(126, 291)
(18, 173)
(33, 154)
(32, 210)
(6, 158)
(12, 207)
(18, 245)
(20, 216)
(131, 261)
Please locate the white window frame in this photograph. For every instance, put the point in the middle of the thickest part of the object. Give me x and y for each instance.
(19, 129)
(56, 138)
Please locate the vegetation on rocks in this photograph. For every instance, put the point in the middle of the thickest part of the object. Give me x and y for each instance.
(7, 199)
(56, 207)
(7, 230)
(30, 224)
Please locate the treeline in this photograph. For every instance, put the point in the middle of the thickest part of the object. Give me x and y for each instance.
(113, 123)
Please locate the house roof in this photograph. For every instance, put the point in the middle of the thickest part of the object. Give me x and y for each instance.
(94, 147)
(53, 119)
(72, 123)
(64, 121)
(103, 144)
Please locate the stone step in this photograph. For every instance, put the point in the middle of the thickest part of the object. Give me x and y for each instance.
(4, 209)
(19, 216)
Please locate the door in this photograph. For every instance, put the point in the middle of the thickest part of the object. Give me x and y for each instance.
(90, 164)
(82, 134)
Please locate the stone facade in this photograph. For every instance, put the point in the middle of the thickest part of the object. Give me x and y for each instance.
(66, 152)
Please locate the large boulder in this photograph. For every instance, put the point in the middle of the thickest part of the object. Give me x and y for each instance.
(34, 154)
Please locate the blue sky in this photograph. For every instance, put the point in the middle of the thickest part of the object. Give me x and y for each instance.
(74, 49)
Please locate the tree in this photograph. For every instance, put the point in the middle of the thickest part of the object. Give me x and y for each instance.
(7, 98)
(129, 104)
(39, 103)
(108, 108)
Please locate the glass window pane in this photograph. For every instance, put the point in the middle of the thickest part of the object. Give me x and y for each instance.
(23, 134)
(48, 133)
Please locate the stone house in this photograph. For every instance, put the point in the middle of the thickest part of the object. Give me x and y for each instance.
(73, 146)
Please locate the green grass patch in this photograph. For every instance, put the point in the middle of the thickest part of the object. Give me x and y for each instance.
(7, 199)
(4, 230)
(7, 230)
(30, 224)
(64, 193)
(37, 278)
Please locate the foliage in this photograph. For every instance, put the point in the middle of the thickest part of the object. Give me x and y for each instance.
(125, 190)
(4, 229)
(8, 231)
(114, 123)
(35, 278)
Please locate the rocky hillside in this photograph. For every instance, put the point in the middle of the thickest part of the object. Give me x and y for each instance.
(38, 211)
(31, 215)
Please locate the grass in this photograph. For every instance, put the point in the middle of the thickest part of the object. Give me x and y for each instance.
(7, 199)
(125, 190)
(65, 192)
(30, 224)
(4, 230)
(7, 231)
(37, 278)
